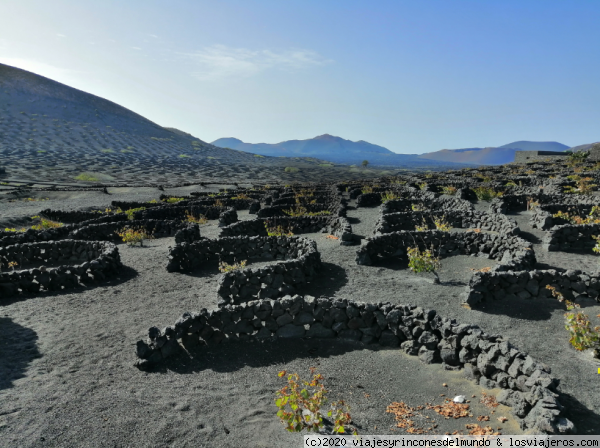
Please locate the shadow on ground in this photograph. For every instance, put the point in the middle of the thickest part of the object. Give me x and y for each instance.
(233, 356)
(18, 347)
(532, 309)
(330, 279)
(588, 421)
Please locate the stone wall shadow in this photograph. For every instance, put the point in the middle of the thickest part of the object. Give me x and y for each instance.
(329, 279)
(531, 309)
(18, 348)
(586, 420)
(233, 356)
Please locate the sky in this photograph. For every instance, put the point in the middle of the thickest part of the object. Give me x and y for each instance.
(412, 76)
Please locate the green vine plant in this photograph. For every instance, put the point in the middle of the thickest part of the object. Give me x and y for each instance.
(389, 196)
(225, 267)
(596, 248)
(367, 189)
(200, 219)
(423, 261)
(486, 193)
(302, 211)
(132, 236)
(300, 405)
(278, 230)
(578, 324)
(132, 211)
(582, 185)
(449, 190)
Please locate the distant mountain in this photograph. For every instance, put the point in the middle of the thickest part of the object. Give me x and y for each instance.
(585, 147)
(490, 155)
(339, 150)
(334, 149)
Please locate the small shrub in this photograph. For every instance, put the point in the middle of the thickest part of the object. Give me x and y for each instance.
(200, 219)
(417, 207)
(423, 227)
(583, 336)
(389, 196)
(532, 204)
(422, 186)
(596, 248)
(300, 405)
(582, 185)
(291, 169)
(442, 224)
(225, 267)
(183, 156)
(423, 261)
(12, 264)
(46, 224)
(173, 200)
(302, 211)
(241, 196)
(219, 203)
(450, 190)
(132, 236)
(486, 193)
(259, 156)
(85, 177)
(367, 189)
(153, 201)
(132, 211)
(107, 151)
(278, 230)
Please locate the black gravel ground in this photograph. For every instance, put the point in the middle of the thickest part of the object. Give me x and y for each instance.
(66, 360)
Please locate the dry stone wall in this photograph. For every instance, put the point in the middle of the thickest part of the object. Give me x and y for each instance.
(571, 237)
(299, 262)
(85, 262)
(513, 252)
(530, 285)
(527, 385)
(495, 222)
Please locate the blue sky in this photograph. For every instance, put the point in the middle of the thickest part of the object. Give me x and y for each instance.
(413, 76)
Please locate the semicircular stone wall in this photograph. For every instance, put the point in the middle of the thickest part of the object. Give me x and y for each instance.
(527, 385)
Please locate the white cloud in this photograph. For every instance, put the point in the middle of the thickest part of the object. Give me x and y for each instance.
(220, 61)
(60, 35)
(153, 35)
(136, 48)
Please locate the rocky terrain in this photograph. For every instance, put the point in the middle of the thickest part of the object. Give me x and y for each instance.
(108, 344)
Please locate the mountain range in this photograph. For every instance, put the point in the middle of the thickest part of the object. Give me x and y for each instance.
(339, 150)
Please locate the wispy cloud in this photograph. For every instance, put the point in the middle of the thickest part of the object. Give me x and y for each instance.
(136, 48)
(220, 61)
(60, 35)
